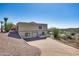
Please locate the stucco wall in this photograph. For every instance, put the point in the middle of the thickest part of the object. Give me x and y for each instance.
(30, 27)
(32, 34)
(33, 29)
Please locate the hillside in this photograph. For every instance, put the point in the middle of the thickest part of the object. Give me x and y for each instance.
(71, 30)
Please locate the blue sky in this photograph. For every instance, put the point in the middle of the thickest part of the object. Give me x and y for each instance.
(55, 15)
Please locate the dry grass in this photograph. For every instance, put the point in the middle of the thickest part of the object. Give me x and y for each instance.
(16, 47)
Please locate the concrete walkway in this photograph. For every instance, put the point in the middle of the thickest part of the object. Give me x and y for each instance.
(50, 47)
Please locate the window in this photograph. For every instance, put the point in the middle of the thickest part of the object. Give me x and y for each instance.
(27, 34)
(43, 33)
(40, 27)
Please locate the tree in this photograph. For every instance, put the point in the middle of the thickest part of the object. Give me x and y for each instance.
(9, 26)
(5, 20)
(56, 33)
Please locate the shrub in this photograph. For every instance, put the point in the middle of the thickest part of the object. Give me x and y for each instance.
(56, 33)
(72, 34)
(9, 26)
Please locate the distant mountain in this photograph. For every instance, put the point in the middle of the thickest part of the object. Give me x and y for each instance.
(71, 30)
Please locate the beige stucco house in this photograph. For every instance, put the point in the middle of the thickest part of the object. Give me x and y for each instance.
(32, 30)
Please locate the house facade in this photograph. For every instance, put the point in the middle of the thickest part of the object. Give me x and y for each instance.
(32, 30)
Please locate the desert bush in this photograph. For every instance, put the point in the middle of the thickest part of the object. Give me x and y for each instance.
(69, 37)
(63, 36)
(72, 34)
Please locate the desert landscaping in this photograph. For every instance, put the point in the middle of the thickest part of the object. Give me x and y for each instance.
(46, 47)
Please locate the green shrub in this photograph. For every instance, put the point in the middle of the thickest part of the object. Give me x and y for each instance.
(8, 26)
(56, 33)
(72, 34)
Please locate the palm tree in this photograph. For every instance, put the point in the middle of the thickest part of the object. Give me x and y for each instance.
(5, 20)
(1, 26)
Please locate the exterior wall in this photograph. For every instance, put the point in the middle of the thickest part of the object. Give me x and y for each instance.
(32, 34)
(32, 29)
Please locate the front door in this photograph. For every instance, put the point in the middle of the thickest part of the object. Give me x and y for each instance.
(34, 34)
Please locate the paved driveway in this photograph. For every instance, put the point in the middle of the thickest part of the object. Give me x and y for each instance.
(16, 47)
(50, 47)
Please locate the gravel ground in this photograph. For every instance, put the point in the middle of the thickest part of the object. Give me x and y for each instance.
(16, 47)
(50, 47)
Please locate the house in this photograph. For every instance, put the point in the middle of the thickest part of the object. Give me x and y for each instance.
(31, 30)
